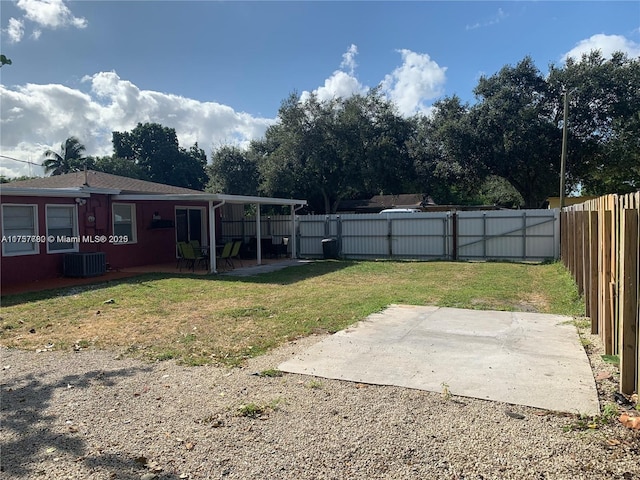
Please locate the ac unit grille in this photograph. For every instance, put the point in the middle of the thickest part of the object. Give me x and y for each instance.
(85, 264)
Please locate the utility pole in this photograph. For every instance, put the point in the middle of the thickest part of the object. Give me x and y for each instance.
(563, 158)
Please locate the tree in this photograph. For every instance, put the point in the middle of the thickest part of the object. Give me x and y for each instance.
(445, 153)
(325, 151)
(603, 120)
(116, 166)
(302, 158)
(70, 158)
(156, 152)
(385, 138)
(498, 191)
(4, 179)
(233, 171)
(519, 140)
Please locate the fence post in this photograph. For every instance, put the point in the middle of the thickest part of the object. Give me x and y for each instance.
(524, 235)
(389, 237)
(454, 234)
(339, 234)
(606, 310)
(484, 234)
(593, 273)
(628, 300)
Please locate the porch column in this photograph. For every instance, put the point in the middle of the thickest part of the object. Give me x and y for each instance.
(258, 235)
(292, 239)
(213, 266)
(212, 238)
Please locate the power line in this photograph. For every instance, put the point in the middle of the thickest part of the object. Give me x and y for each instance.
(21, 161)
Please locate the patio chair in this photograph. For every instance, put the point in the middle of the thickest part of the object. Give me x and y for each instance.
(225, 255)
(190, 256)
(180, 258)
(198, 249)
(235, 252)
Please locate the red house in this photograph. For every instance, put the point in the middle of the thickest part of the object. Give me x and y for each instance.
(52, 223)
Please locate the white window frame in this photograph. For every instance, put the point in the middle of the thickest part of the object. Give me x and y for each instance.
(74, 227)
(134, 224)
(35, 250)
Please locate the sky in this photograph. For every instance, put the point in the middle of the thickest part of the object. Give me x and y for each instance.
(218, 72)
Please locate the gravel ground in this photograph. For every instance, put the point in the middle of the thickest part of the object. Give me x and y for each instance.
(95, 415)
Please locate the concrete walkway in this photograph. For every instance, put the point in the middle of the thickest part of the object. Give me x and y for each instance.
(519, 358)
(265, 268)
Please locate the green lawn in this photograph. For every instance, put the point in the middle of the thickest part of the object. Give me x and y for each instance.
(199, 319)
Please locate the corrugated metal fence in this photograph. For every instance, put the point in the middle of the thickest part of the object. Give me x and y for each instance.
(518, 235)
(501, 235)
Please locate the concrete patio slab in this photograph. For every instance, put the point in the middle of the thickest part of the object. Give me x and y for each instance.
(520, 358)
(265, 268)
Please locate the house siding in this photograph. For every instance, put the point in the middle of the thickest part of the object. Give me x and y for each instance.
(152, 245)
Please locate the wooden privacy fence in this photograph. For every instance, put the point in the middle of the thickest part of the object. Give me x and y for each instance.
(600, 247)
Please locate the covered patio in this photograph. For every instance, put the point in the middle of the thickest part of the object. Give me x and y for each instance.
(215, 202)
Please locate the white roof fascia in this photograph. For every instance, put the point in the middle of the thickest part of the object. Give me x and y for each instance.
(44, 192)
(260, 200)
(205, 197)
(99, 190)
(191, 197)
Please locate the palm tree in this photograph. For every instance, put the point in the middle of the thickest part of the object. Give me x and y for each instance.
(71, 154)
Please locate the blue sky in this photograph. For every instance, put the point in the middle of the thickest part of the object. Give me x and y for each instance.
(218, 71)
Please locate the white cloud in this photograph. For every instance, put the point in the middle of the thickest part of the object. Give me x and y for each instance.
(409, 86)
(15, 30)
(50, 14)
(607, 44)
(417, 80)
(497, 18)
(349, 59)
(36, 117)
(340, 84)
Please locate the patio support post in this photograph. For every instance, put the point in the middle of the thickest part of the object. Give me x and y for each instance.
(212, 235)
(258, 236)
(292, 237)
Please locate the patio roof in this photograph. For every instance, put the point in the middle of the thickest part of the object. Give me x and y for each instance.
(212, 197)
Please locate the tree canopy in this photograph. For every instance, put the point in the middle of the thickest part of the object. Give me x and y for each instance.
(154, 149)
(503, 149)
(331, 150)
(70, 157)
(603, 120)
(233, 171)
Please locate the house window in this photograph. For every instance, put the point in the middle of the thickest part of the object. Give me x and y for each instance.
(124, 222)
(20, 230)
(62, 227)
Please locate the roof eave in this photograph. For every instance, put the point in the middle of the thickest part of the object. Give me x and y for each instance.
(207, 197)
(44, 192)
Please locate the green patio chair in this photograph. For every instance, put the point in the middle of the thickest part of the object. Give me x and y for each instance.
(180, 257)
(190, 256)
(225, 255)
(198, 249)
(235, 252)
